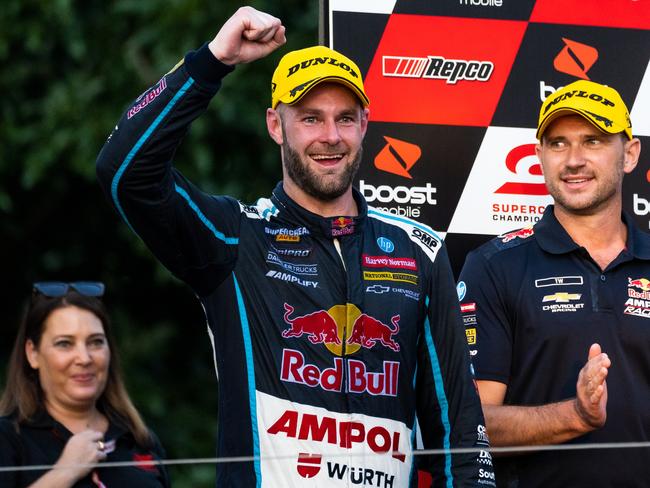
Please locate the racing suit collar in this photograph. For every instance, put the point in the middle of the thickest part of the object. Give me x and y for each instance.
(332, 227)
(552, 237)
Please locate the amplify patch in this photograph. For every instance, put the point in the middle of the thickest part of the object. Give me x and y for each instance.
(388, 276)
(398, 157)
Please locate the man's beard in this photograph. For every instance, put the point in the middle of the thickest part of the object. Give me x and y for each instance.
(323, 188)
(604, 193)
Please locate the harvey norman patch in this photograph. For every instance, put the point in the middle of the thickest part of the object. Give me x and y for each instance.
(389, 276)
(389, 262)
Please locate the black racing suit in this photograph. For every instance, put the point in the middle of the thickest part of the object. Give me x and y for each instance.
(338, 341)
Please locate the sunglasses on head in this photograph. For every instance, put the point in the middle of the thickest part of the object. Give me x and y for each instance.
(56, 289)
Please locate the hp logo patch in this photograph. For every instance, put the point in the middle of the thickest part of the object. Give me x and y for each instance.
(461, 289)
(385, 244)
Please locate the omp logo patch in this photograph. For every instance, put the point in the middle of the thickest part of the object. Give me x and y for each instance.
(398, 157)
(575, 59)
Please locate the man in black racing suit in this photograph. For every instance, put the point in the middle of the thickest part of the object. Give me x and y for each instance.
(336, 327)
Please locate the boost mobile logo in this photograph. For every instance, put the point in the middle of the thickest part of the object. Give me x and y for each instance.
(397, 157)
(575, 59)
(437, 67)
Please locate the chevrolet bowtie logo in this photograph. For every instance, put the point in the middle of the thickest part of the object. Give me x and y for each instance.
(562, 297)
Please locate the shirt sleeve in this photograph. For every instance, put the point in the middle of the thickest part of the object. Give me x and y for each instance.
(9, 453)
(449, 410)
(486, 319)
(193, 234)
(160, 453)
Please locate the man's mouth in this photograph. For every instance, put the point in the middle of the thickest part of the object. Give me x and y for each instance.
(327, 159)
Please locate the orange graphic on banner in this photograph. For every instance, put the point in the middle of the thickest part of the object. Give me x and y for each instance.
(397, 157)
(575, 59)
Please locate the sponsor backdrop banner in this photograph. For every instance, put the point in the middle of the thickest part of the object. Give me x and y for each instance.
(455, 88)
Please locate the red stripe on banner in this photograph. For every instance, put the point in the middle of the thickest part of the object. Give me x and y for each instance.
(441, 70)
(631, 14)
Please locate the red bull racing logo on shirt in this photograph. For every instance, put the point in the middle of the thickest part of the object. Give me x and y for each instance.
(638, 302)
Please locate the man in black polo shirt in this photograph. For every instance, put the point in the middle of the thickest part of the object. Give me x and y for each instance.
(558, 315)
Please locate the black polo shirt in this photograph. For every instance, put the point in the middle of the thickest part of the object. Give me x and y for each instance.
(41, 442)
(534, 302)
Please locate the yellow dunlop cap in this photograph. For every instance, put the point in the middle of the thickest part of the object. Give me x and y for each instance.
(300, 71)
(599, 104)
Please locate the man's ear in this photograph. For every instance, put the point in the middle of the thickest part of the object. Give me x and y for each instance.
(632, 152)
(274, 125)
(31, 353)
(538, 153)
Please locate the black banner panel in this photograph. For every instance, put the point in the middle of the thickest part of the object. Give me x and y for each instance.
(455, 89)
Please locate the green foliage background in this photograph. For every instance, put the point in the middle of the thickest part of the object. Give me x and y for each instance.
(69, 69)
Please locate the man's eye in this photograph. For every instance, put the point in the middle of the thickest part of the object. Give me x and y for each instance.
(309, 120)
(63, 344)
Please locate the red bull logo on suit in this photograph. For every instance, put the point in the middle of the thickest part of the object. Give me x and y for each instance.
(342, 322)
(332, 329)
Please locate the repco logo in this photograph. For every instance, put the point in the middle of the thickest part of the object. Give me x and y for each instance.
(317, 61)
(399, 194)
(437, 67)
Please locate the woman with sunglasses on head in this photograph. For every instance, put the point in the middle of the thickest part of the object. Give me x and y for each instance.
(65, 403)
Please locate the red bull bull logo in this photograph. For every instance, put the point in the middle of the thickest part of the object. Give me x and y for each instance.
(329, 327)
(521, 234)
(642, 284)
(367, 331)
(319, 326)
